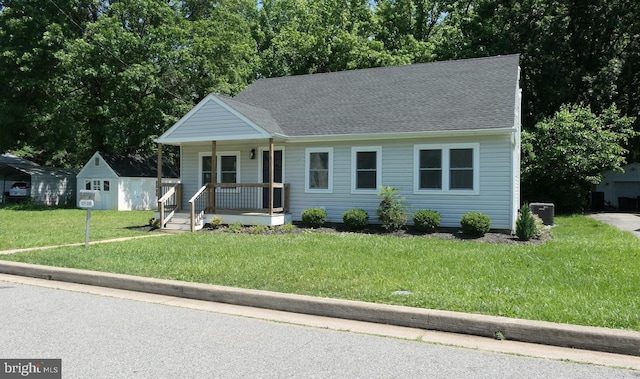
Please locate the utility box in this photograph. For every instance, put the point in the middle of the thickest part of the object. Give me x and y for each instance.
(87, 198)
(546, 212)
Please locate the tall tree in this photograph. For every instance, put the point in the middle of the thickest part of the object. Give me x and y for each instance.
(121, 78)
(305, 36)
(565, 155)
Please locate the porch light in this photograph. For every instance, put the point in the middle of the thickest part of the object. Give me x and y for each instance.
(252, 154)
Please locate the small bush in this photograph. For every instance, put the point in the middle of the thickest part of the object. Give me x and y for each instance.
(527, 227)
(426, 220)
(355, 219)
(287, 228)
(215, 222)
(314, 217)
(236, 227)
(391, 211)
(258, 229)
(475, 224)
(154, 223)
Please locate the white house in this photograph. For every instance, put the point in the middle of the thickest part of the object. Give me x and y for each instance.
(125, 182)
(446, 134)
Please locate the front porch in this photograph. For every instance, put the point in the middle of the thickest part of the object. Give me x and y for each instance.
(246, 203)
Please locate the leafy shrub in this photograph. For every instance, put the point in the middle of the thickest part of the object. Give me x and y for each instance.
(355, 219)
(392, 211)
(528, 225)
(286, 228)
(475, 224)
(258, 229)
(215, 222)
(236, 227)
(154, 223)
(426, 220)
(314, 217)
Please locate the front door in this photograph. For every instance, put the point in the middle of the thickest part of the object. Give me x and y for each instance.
(277, 178)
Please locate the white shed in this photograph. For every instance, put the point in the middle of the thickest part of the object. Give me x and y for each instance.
(621, 189)
(125, 182)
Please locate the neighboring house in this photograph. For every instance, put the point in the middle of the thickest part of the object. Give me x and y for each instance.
(125, 182)
(446, 134)
(41, 185)
(621, 189)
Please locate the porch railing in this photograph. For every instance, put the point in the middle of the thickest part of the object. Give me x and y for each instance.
(197, 207)
(238, 197)
(170, 201)
(247, 197)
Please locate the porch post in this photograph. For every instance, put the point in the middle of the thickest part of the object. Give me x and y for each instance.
(271, 173)
(159, 182)
(214, 176)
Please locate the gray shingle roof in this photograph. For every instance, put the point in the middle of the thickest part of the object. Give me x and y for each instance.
(440, 96)
(260, 116)
(136, 166)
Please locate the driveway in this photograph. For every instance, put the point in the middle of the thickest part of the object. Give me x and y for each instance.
(625, 221)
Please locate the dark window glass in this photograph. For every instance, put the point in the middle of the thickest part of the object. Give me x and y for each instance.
(461, 169)
(366, 170)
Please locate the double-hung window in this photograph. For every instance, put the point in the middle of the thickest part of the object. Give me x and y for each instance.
(319, 170)
(446, 168)
(227, 168)
(366, 169)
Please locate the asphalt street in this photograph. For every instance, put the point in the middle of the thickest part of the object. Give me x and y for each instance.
(107, 337)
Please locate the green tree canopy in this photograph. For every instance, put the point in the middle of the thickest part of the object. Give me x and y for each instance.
(565, 155)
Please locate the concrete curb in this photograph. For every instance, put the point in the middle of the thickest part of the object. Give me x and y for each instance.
(546, 333)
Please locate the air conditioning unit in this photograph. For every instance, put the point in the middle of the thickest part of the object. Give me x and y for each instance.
(545, 211)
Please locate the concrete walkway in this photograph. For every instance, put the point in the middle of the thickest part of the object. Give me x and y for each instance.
(13, 251)
(624, 221)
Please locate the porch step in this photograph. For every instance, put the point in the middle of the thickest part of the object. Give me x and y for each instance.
(181, 222)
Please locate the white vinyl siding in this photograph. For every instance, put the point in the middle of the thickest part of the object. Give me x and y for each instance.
(319, 170)
(366, 169)
(451, 168)
(198, 126)
(494, 169)
(494, 181)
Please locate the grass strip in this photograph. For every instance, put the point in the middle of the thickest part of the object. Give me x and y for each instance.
(589, 274)
(47, 227)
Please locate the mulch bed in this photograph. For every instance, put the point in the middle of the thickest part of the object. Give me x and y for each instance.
(408, 232)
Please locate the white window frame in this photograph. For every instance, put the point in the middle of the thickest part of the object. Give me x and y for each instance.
(445, 149)
(354, 162)
(218, 168)
(307, 169)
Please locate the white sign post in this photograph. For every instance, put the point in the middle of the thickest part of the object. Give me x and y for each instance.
(87, 201)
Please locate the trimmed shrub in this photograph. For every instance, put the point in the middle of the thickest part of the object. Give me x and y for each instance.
(355, 219)
(286, 228)
(475, 224)
(392, 211)
(528, 226)
(426, 220)
(215, 222)
(154, 223)
(314, 217)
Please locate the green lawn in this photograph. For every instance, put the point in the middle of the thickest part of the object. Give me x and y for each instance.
(588, 274)
(21, 228)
